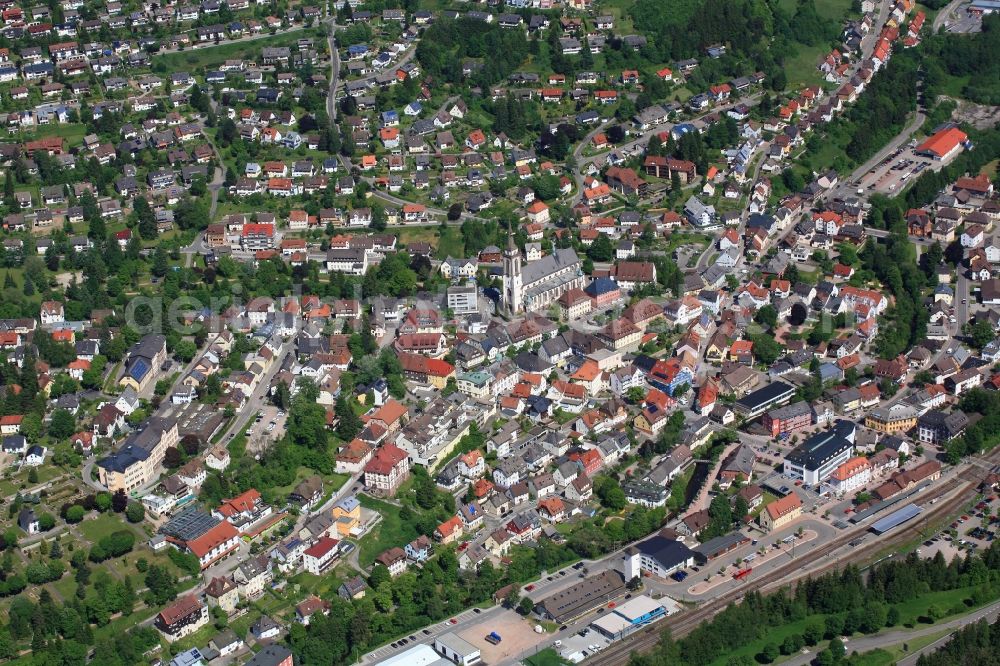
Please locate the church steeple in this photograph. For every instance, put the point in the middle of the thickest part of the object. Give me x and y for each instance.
(511, 245)
(512, 280)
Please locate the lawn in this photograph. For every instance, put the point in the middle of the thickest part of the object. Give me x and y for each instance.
(103, 525)
(198, 639)
(801, 68)
(330, 481)
(677, 239)
(206, 56)
(391, 531)
(768, 498)
(72, 132)
(828, 9)
(450, 243)
(547, 657)
(946, 601)
(991, 169)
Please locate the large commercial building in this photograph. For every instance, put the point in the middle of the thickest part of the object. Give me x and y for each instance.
(631, 616)
(201, 534)
(457, 649)
(138, 460)
(463, 300)
(816, 458)
(658, 556)
(788, 419)
(853, 474)
(756, 403)
(891, 420)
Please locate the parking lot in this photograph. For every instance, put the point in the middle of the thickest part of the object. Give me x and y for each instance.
(516, 634)
(267, 427)
(970, 532)
(893, 174)
(963, 23)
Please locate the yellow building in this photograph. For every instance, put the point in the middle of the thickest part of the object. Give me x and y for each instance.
(779, 513)
(347, 516)
(895, 419)
(138, 461)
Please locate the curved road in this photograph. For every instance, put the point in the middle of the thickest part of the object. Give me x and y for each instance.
(945, 14)
(899, 636)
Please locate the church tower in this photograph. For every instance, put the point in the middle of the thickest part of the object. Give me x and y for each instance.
(512, 281)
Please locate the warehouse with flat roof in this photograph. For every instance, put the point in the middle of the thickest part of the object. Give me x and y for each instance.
(633, 615)
(457, 649)
(757, 402)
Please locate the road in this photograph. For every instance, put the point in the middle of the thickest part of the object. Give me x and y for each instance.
(640, 141)
(184, 372)
(892, 638)
(949, 494)
(945, 14)
(849, 186)
(197, 46)
(331, 98)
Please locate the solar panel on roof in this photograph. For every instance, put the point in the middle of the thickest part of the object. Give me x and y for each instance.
(138, 369)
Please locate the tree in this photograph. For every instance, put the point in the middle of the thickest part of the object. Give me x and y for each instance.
(75, 514)
(162, 584)
(767, 316)
(348, 423)
(526, 606)
(601, 249)
(119, 501)
(172, 458)
(635, 395)
(981, 333)
(740, 507)
(103, 502)
(720, 517)
(161, 263)
(769, 653)
(145, 218)
(62, 424)
(135, 512)
(765, 349)
(812, 633)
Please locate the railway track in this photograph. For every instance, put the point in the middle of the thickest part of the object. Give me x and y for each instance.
(684, 623)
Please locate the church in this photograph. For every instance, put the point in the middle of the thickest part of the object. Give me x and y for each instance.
(538, 284)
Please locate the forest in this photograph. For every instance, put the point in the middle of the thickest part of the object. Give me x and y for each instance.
(894, 265)
(972, 57)
(837, 604)
(758, 34)
(447, 44)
